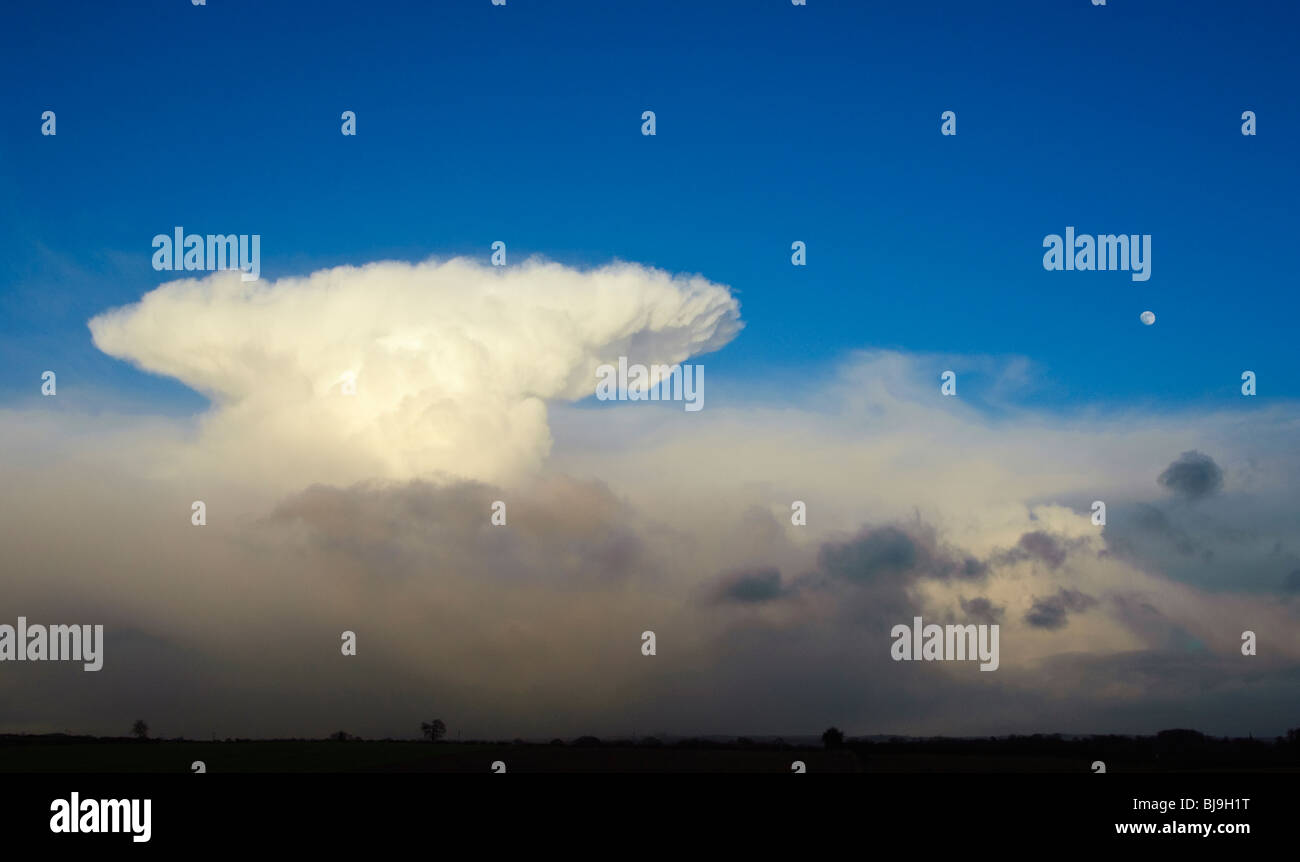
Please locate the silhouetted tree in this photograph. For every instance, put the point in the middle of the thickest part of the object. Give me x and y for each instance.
(140, 730)
(433, 730)
(340, 736)
(833, 737)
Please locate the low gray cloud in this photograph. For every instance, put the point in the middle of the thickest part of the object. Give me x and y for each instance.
(877, 560)
(1044, 547)
(1052, 612)
(1192, 476)
(875, 553)
(755, 586)
(1037, 545)
(981, 610)
(896, 552)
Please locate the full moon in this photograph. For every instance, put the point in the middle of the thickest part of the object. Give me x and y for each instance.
(1148, 318)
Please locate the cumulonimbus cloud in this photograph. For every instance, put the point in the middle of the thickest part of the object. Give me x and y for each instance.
(396, 370)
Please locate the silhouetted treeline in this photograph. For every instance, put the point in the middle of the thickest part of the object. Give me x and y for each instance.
(1168, 749)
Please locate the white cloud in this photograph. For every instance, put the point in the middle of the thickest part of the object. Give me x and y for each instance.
(454, 362)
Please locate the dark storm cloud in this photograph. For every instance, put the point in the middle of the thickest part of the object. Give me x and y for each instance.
(969, 567)
(751, 587)
(1038, 545)
(1192, 476)
(893, 552)
(1043, 546)
(883, 552)
(1052, 612)
(519, 630)
(981, 610)
(871, 574)
(1292, 582)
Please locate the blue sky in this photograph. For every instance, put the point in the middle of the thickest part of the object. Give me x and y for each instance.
(775, 123)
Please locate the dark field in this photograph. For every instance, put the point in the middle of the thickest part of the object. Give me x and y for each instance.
(402, 756)
(57, 754)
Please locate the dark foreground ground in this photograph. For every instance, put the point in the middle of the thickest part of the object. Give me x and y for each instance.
(1171, 751)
